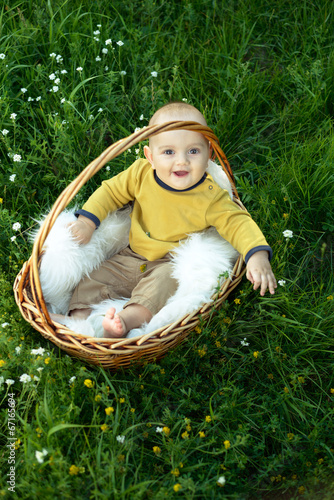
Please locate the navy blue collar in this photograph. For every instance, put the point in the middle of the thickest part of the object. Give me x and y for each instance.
(169, 188)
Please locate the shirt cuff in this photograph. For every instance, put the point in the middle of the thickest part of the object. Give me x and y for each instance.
(89, 216)
(259, 249)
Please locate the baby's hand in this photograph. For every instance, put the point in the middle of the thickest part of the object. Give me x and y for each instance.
(259, 272)
(82, 229)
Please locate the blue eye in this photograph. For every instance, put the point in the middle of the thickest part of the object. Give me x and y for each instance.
(194, 151)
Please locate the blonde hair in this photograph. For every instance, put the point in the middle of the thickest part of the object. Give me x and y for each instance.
(178, 110)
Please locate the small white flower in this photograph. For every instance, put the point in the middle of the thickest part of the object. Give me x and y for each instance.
(108, 168)
(72, 379)
(159, 429)
(64, 122)
(38, 98)
(97, 32)
(221, 481)
(123, 73)
(4, 325)
(106, 68)
(16, 226)
(40, 369)
(137, 129)
(288, 234)
(91, 117)
(100, 110)
(129, 150)
(281, 282)
(185, 100)
(120, 43)
(5, 131)
(13, 116)
(24, 90)
(137, 151)
(96, 39)
(40, 455)
(53, 55)
(62, 100)
(243, 342)
(99, 25)
(25, 378)
(30, 99)
(59, 58)
(79, 69)
(52, 76)
(13, 238)
(104, 51)
(141, 117)
(36, 378)
(98, 58)
(55, 88)
(17, 158)
(120, 439)
(18, 349)
(63, 72)
(154, 74)
(9, 381)
(38, 352)
(108, 42)
(57, 81)
(2, 56)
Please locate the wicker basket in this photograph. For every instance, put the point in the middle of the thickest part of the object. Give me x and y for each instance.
(114, 353)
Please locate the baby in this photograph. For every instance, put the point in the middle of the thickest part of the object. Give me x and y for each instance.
(172, 196)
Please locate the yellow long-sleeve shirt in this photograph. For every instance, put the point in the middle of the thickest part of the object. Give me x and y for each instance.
(162, 217)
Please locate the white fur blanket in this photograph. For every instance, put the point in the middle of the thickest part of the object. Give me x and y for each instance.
(197, 265)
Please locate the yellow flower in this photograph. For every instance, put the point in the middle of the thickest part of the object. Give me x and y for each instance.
(330, 297)
(88, 383)
(188, 427)
(133, 410)
(177, 487)
(332, 391)
(104, 427)
(122, 400)
(109, 410)
(157, 450)
(175, 472)
(237, 301)
(301, 490)
(162, 372)
(2, 362)
(1, 200)
(227, 444)
(98, 397)
(201, 434)
(17, 444)
(290, 436)
(286, 390)
(285, 216)
(271, 376)
(143, 268)
(256, 354)
(227, 320)
(218, 344)
(208, 418)
(198, 329)
(142, 387)
(185, 435)
(278, 349)
(166, 431)
(47, 361)
(301, 380)
(74, 470)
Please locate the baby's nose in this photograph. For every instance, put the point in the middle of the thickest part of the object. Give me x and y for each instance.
(182, 159)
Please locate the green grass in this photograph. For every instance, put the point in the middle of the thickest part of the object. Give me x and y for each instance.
(261, 414)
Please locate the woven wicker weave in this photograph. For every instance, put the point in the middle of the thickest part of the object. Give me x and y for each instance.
(114, 353)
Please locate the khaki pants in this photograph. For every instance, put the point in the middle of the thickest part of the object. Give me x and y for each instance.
(127, 275)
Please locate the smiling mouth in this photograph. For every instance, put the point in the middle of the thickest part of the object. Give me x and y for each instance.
(181, 173)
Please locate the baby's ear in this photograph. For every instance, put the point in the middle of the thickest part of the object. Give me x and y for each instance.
(148, 155)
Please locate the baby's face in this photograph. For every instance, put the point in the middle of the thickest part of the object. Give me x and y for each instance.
(179, 158)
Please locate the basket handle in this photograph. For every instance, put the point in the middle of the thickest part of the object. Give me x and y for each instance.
(74, 187)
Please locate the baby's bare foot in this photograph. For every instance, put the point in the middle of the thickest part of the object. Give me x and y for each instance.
(113, 325)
